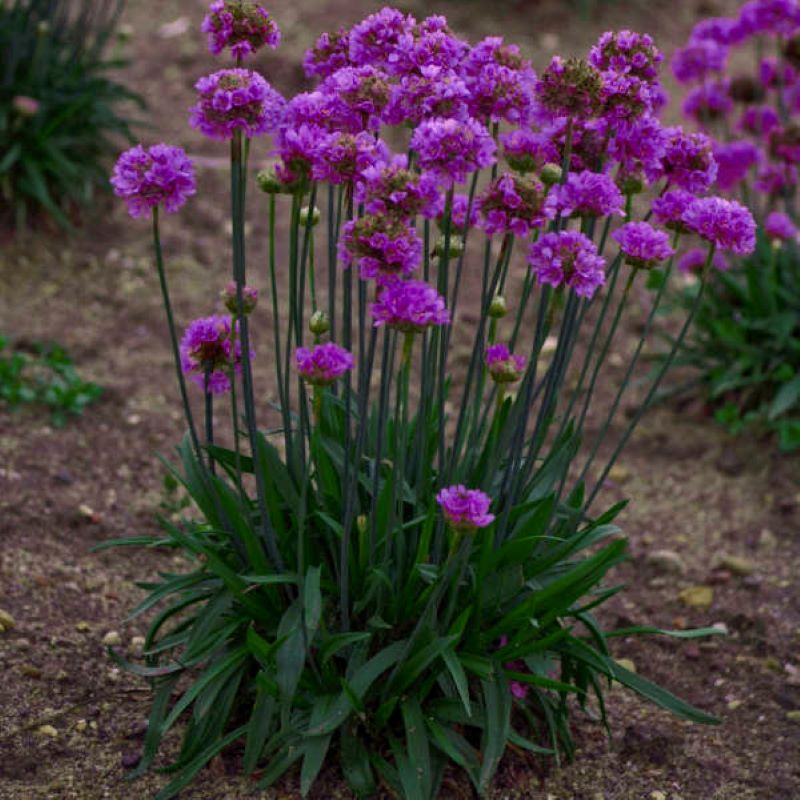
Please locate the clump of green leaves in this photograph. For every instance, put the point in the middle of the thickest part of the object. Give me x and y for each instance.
(60, 117)
(745, 345)
(44, 376)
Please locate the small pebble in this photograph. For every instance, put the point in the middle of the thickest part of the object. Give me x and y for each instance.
(83, 627)
(697, 596)
(130, 760)
(738, 565)
(47, 730)
(667, 561)
(7, 622)
(793, 716)
(112, 639)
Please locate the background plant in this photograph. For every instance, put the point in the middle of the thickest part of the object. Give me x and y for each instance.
(61, 112)
(384, 579)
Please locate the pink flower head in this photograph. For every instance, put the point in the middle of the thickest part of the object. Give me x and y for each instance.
(726, 223)
(734, 161)
(759, 120)
(206, 347)
(627, 53)
(699, 59)
(709, 103)
(568, 258)
(587, 194)
(342, 157)
(779, 227)
(777, 17)
(504, 366)
(383, 40)
(570, 88)
(513, 204)
(362, 92)
(25, 106)
(669, 208)
(433, 91)
(330, 53)
(230, 298)
(775, 179)
(643, 245)
(323, 364)
(297, 148)
(146, 179)
(688, 161)
(695, 259)
(322, 110)
(381, 246)
(527, 151)
(639, 148)
(394, 190)
(236, 99)
(465, 510)
(451, 149)
(409, 306)
(245, 27)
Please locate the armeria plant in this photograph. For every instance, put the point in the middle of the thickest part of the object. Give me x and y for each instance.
(745, 346)
(401, 575)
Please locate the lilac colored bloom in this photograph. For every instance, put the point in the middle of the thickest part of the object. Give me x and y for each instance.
(434, 91)
(236, 99)
(734, 161)
(409, 306)
(513, 204)
(774, 74)
(570, 88)
(527, 151)
(25, 106)
(394, 190)
(779, 17)
(230, 298)
(465, 509)
(458, 213)
(503, 365)
(519, 691)
(699, 59)
(759, 120)
(330, 52)
(568, 258)
(323, 364)
(146, 179)
(639, 148)
(363, 91)
(644, 246)
(382, 247)
(245, 27)
(709, 102)
(207, 347)
(689, 161)
(589, 138)
(722, 30)
(322, 110)
(775, 179)
(695, 259)
(627, 53)
(342, 157)
(669, 208)
(726, 223)
(779, 227)
(432, 43)
(451, 149)
(381, 40)
(784, 143)
(625, 97)
(587, 194)
(297, 148)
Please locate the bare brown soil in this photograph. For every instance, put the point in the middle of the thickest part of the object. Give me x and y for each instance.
(694, 491)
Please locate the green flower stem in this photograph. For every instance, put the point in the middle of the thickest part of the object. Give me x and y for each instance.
(235, 411)
(176, 356)
(209, 415)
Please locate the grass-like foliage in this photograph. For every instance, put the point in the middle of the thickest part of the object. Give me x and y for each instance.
(61, 115)
(44, 375)
(401, 575)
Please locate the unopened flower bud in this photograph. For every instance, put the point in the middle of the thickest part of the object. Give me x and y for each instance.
(25, 106)
(43, 28)
(231, 302)
(124, 33)
(631, 184)
(361, 523)
(304, 211)
(551, 174)
(268, 182)
(498, 308)
(456, 246)
(319, 324)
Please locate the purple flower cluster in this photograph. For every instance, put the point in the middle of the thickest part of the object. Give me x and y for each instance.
(409, 306)
(568, 258)
(342, 157)
(725, 223)
(382, 247)
(528, 151)
(689, 160)
(695, 259)
(236, 99)
(231, 302)
(148, 178)
(670, 207)
(586, 194)
(245, 27)
(503, 365)
(208, 353)
(734, 161)
(643, 245)
(780, 228)
(394, 190)
(323, 364)
(465, 510)
(513, 204)
(330, 53)
(570, 88)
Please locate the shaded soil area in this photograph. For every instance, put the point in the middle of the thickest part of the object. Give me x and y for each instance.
(727, 512)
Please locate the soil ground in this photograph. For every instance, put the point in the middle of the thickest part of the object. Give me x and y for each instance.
(694, 491)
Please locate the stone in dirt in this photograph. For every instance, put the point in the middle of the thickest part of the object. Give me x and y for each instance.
(697, 596)
(738, 565)
(47, 730)
(667, 561)
(7, 622)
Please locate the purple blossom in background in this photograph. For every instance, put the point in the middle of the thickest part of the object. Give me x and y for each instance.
(722, 30)
(775, 179)
(759, 120)
(625, 97)
(382, 40)
(568, 258)
(323, 364)
(382, 247)
(159, 175)
(513, 204)
(627, 53)
(643, 245)
(244, 27)
(571, 88)
(774, 74)
(780, 17)
(503, 365)
(465, 509)
(451, 149)
(689, 161)
(586, 194)
(668, 209)
(726, 223)
(699, 59)
(236, 99)
(341, 157)
(206, 347)
(695, 259)
(458, 213)
(432, 43)
(734, 161)
(330, 52)
(639, 148)
(709, 102)
(322, 110)
(363, 93)
(528, 151)
(779, 227)
(297, 148)
(434, 91)
(394, 190)
(784, 143)
(409, 306)
(230, 298)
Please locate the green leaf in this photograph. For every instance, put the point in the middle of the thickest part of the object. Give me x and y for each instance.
(459, 678)
(258, 729)
(497, 707)
(419, 755)
(785, 399)
(355, 762)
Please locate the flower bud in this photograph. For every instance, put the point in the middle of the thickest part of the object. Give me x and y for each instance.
(631, 184)
(25, 106)
(551, 174)
(268, 182)
(456, 246)
(498, 308)
(43, 28)
(361, 523)
(124, 33)
(304, 212)
(230, 300)
(319, 324)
